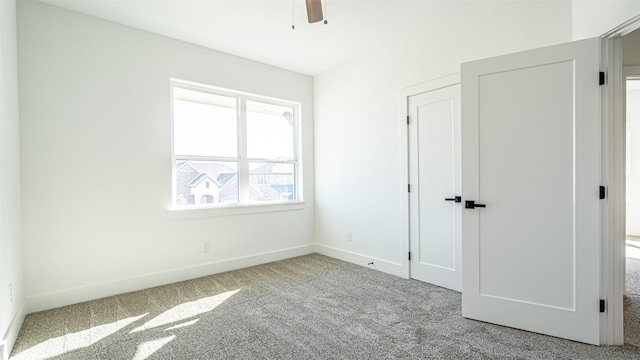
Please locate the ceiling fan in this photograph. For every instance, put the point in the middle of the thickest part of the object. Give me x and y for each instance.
(314, 11)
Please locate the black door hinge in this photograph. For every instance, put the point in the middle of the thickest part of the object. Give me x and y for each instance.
(407, 119)
(602, 78)
(408, 187)
(409, 255)
(602, 306)
(603, 192)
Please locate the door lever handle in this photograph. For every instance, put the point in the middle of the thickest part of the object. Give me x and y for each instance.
(471, 204)
(456, 199)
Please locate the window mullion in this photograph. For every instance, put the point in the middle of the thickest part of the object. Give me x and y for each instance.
(243, 163)
(297, 161)
(204, 158)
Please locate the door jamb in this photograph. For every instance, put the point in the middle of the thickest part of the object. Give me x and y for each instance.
(405, 94)
(614, 165)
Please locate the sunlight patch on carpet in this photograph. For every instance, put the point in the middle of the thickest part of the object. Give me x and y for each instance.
(633, 249)
(63, 344)
(186, 310)
(184, 324)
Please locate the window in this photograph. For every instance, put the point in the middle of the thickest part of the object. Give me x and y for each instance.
(232, 148)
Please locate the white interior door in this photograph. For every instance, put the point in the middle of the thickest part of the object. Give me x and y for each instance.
(434, 172)
(531, 154)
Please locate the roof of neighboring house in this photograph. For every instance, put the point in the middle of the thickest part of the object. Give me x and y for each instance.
(212, 168)
(198, 179)
(181, 164)
(273, 168)
(282, 187)
(225, 177)
(228, 182)
(218, 172)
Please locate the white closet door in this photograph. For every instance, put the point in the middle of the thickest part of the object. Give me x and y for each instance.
(435, 204)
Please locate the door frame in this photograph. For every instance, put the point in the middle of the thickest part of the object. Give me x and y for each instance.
(634, 72)
(612, 282)
(405, 94)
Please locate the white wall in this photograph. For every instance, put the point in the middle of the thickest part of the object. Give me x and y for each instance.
(10, 245)
(631, 49)
(96, 160)
(360, 184)
(595, 18)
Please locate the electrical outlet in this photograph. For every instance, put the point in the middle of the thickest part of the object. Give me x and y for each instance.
(349, 236)
(10, 292)
(206, 246)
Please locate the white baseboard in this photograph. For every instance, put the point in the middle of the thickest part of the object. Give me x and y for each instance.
(9, 338)
(74, 296)
(359, 259)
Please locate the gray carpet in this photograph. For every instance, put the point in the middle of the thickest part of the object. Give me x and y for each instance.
(310, 307)
(632, 304)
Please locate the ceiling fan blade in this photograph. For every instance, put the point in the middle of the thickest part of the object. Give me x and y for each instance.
(314, 11)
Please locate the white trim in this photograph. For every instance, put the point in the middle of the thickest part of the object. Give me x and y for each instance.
(613, 175)
(363, 260)
(9, 338)
(612, 283)
(218, 90)
(623, 29)
(435, 84)
(198, 212)
(405, 94)
(92, 292)
(244, 185)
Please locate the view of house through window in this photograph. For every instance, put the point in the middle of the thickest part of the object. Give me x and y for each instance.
(232, 148)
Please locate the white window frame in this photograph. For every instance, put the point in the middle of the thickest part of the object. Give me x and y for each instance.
(244, 204)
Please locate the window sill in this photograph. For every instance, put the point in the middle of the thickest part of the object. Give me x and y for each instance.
(184, 213)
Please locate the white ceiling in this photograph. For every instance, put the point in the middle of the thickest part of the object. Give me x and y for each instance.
(261, 29)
